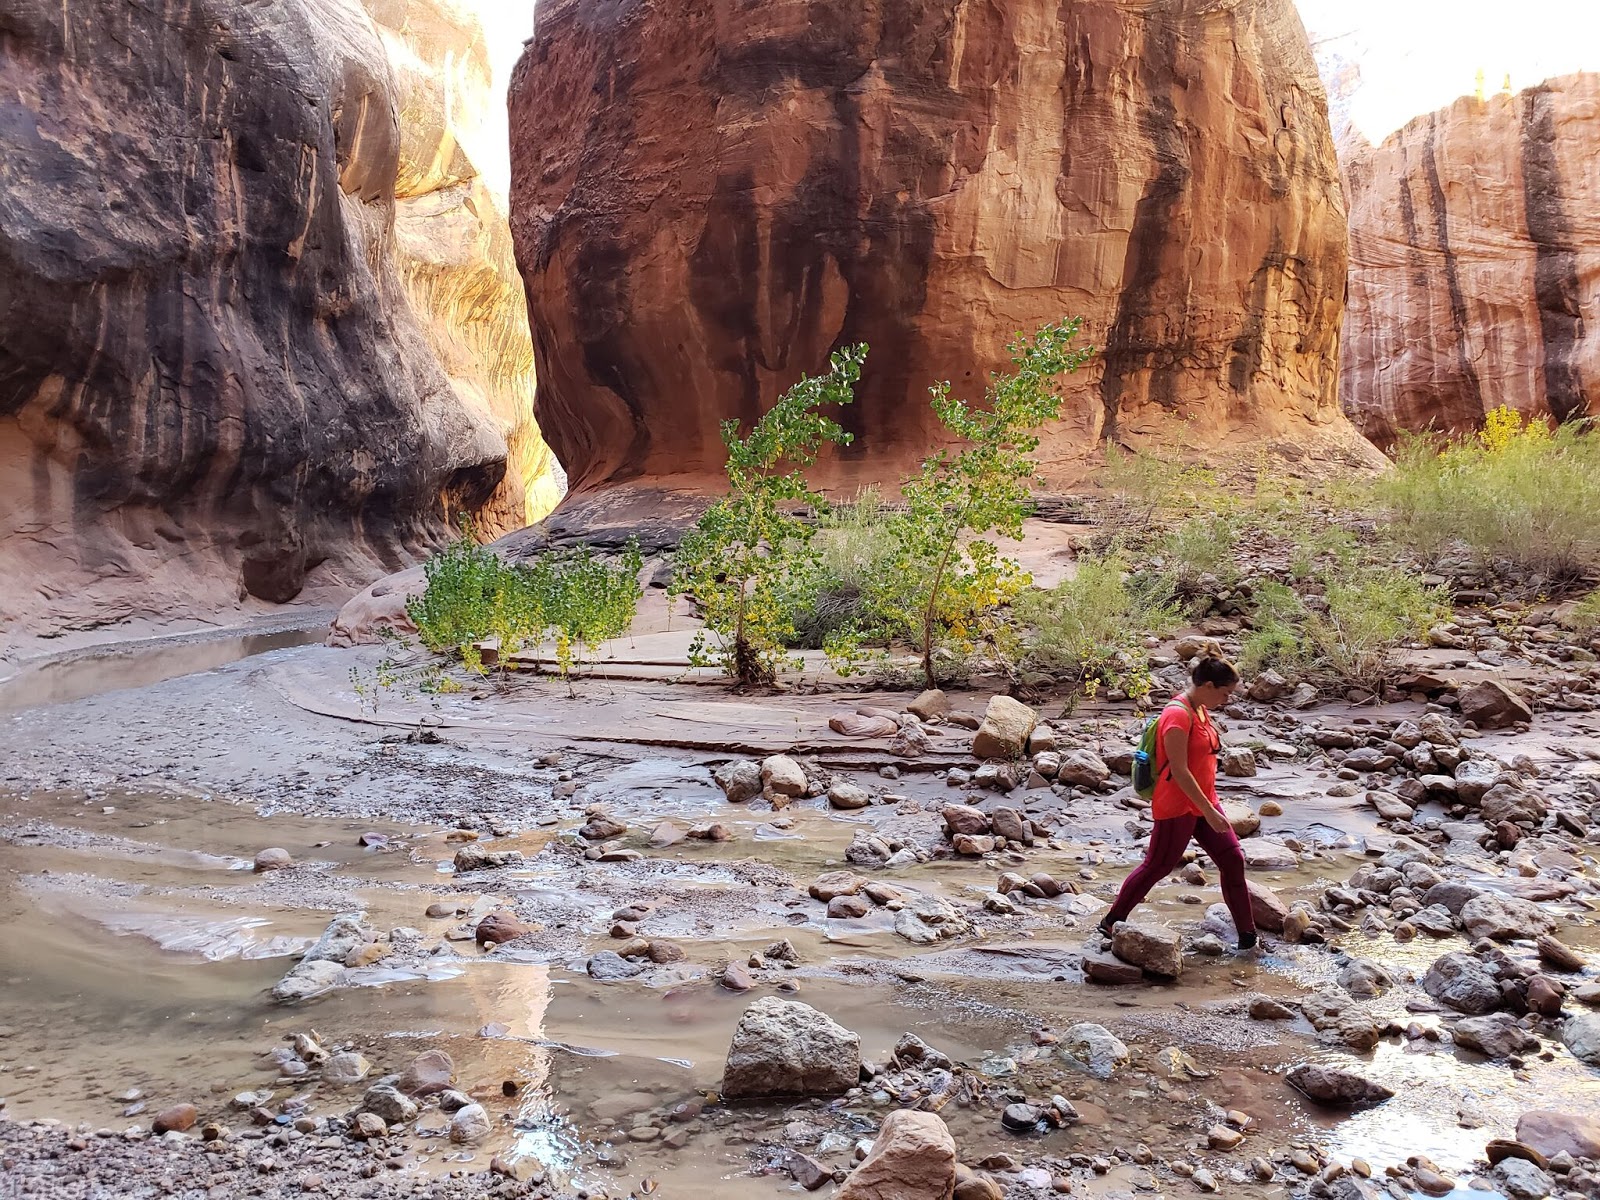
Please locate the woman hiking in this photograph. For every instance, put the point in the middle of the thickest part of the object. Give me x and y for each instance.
(1185, 803)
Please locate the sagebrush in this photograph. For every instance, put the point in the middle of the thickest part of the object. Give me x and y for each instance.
(1090, 628)
(1518, 497)
(1347, 637)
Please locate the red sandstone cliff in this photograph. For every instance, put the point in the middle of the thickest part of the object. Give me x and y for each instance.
(1475, 263)
(707, 196)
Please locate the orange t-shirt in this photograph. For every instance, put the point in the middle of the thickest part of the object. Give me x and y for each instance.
(1204, 742)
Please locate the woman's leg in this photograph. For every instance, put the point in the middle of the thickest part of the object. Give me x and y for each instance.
(1168, 840)
(1226, 852)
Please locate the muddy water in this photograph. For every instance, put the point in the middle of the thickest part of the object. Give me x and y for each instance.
(95, 670)
(138, 948)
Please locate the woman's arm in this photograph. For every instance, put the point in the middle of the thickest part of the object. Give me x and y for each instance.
(1176, 743)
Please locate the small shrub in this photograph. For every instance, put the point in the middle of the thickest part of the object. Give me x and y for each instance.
(472, 594)
(1145, 488)
(583, 600)
(1369, 615)
(1515, 496)
(572, 598)
(1349, 638)
(1090, 629)
(1199, 547)
(831, 605)
(1584, 618)
(1277, 639)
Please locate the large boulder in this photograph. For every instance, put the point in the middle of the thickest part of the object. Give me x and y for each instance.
(1264, 854)
(1475, 777)
(1096, 1047)
(739, 781)
(1268, 907)
(1155, 949)
(1504, 918)
(1463, 983)
(1005, 729)
(784, 1048)
(1552, 1132)
(1083, 768)
(1452, 895)
(429, 1073)
(1242, 819)
(1581, 1033)
(1496, 1035)
(1492, 195)
(1337, 1088)
(912, 1158)
(964, 818)
(782, 776)
(1508, 802)
(925, 918)
(1492, 705)
(307, 979)
(707, 199)
(297, 339)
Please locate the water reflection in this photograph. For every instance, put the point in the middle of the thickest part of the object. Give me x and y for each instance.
(135, 665)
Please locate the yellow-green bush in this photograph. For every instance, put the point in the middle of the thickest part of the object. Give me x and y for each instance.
(1091, 627)
(1516, 496)
(1347, 640)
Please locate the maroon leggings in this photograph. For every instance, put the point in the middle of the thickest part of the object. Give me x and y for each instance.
(1168, 841)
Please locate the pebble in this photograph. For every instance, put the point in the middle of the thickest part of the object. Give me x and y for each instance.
(1433, 1183)
(1221, 1137)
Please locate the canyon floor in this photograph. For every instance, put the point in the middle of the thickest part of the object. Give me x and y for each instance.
(141, 948)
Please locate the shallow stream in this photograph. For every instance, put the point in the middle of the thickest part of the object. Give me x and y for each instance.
(139, 947)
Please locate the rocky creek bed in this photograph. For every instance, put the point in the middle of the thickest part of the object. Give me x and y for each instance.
(262, 940)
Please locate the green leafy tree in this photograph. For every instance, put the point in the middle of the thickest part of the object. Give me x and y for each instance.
(947, 577)
(737, 557)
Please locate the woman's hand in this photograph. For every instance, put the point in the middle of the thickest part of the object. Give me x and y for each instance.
(1217, 821)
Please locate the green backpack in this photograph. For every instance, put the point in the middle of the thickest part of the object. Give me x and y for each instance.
(1144, 756)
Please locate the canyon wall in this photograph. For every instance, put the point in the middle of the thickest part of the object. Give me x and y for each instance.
(214, 384)
(1475, 263)
(706, 197)
(452, 242)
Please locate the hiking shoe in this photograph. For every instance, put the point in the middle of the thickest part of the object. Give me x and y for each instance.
(1105, 927)
(1249, 941)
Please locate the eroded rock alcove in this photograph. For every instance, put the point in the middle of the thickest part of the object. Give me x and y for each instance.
(228, 366)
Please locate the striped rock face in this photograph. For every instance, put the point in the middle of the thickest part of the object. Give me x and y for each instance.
(1475, 263)
(225, 361)
(707, 196)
